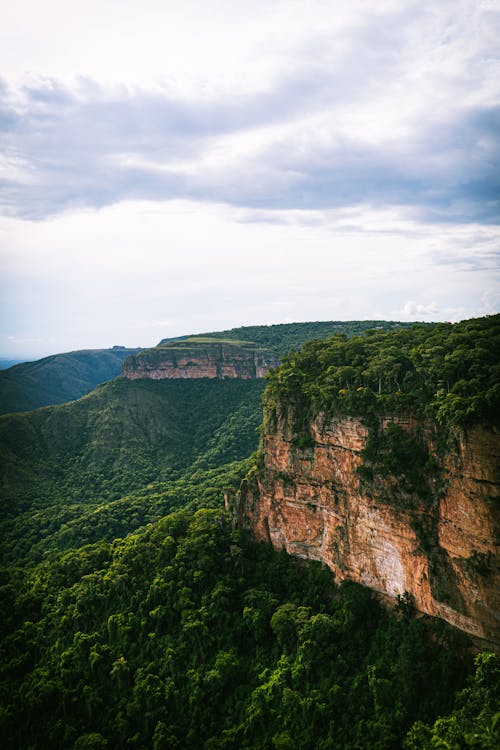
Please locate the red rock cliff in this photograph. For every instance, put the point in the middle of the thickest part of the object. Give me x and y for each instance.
(199, 358)
(314, 502)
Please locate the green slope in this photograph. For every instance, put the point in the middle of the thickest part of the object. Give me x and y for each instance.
(58, 378)
(62, 464)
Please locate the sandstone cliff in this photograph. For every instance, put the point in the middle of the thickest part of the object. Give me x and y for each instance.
(200, 358)
(437, 539)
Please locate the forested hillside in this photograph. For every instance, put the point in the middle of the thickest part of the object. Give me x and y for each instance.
(128, 625)
(58, 378)
(187, 636)
(282, 337)
(68, 467)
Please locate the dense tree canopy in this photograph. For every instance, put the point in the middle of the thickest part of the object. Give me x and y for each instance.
(448, 372)
(188, 635)
(126, 454)
(282, 337)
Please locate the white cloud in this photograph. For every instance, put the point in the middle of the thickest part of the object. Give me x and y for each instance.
(186, 267)
(199, 165)
(193, 46)
(275, 105)
(411, 309)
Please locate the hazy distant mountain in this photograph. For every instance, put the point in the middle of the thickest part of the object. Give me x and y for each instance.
(5, 363)
(58, 378)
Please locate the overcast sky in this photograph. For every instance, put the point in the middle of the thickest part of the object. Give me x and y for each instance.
(183, 166)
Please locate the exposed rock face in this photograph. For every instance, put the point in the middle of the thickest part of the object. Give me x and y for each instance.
(443, 550)
(200, 359)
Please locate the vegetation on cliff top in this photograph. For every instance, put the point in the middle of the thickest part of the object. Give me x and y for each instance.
(206, 341)
(282, 337)
(448, 372)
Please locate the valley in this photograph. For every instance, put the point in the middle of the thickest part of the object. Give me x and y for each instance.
(140, 614)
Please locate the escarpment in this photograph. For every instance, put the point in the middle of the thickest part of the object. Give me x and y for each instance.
(380, 457)
(200, 358)
(437, 541)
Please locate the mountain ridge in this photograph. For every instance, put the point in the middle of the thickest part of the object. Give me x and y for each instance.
(136, 616)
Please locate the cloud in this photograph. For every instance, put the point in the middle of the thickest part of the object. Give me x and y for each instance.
(96, 151)
(162, 324)
(120, 273)
(393, 107)
(238, 161)
(411, 308)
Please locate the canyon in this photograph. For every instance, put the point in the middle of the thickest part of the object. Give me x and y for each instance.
(200, 358)
(320, 499)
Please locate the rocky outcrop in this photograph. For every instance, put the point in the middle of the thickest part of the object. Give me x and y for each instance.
(437, 541)
(202, 358)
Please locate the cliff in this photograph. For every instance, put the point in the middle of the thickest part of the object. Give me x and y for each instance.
(200, 358)
(428, 528)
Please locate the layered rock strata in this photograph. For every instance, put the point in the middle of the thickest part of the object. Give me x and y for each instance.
(441, 548)
(200, 359)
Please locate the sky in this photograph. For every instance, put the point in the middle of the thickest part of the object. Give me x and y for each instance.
(171, 167)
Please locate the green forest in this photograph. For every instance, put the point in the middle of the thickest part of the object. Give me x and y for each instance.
(122, 456)
(282, 337)
(135, 615)
(188, 635)
(447, 372)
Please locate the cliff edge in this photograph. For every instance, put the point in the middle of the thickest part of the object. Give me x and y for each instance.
(200, 358)
(380, 458)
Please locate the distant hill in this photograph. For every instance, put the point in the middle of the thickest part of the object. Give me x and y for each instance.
(5, 363)
(282, 337)
(58, 378)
